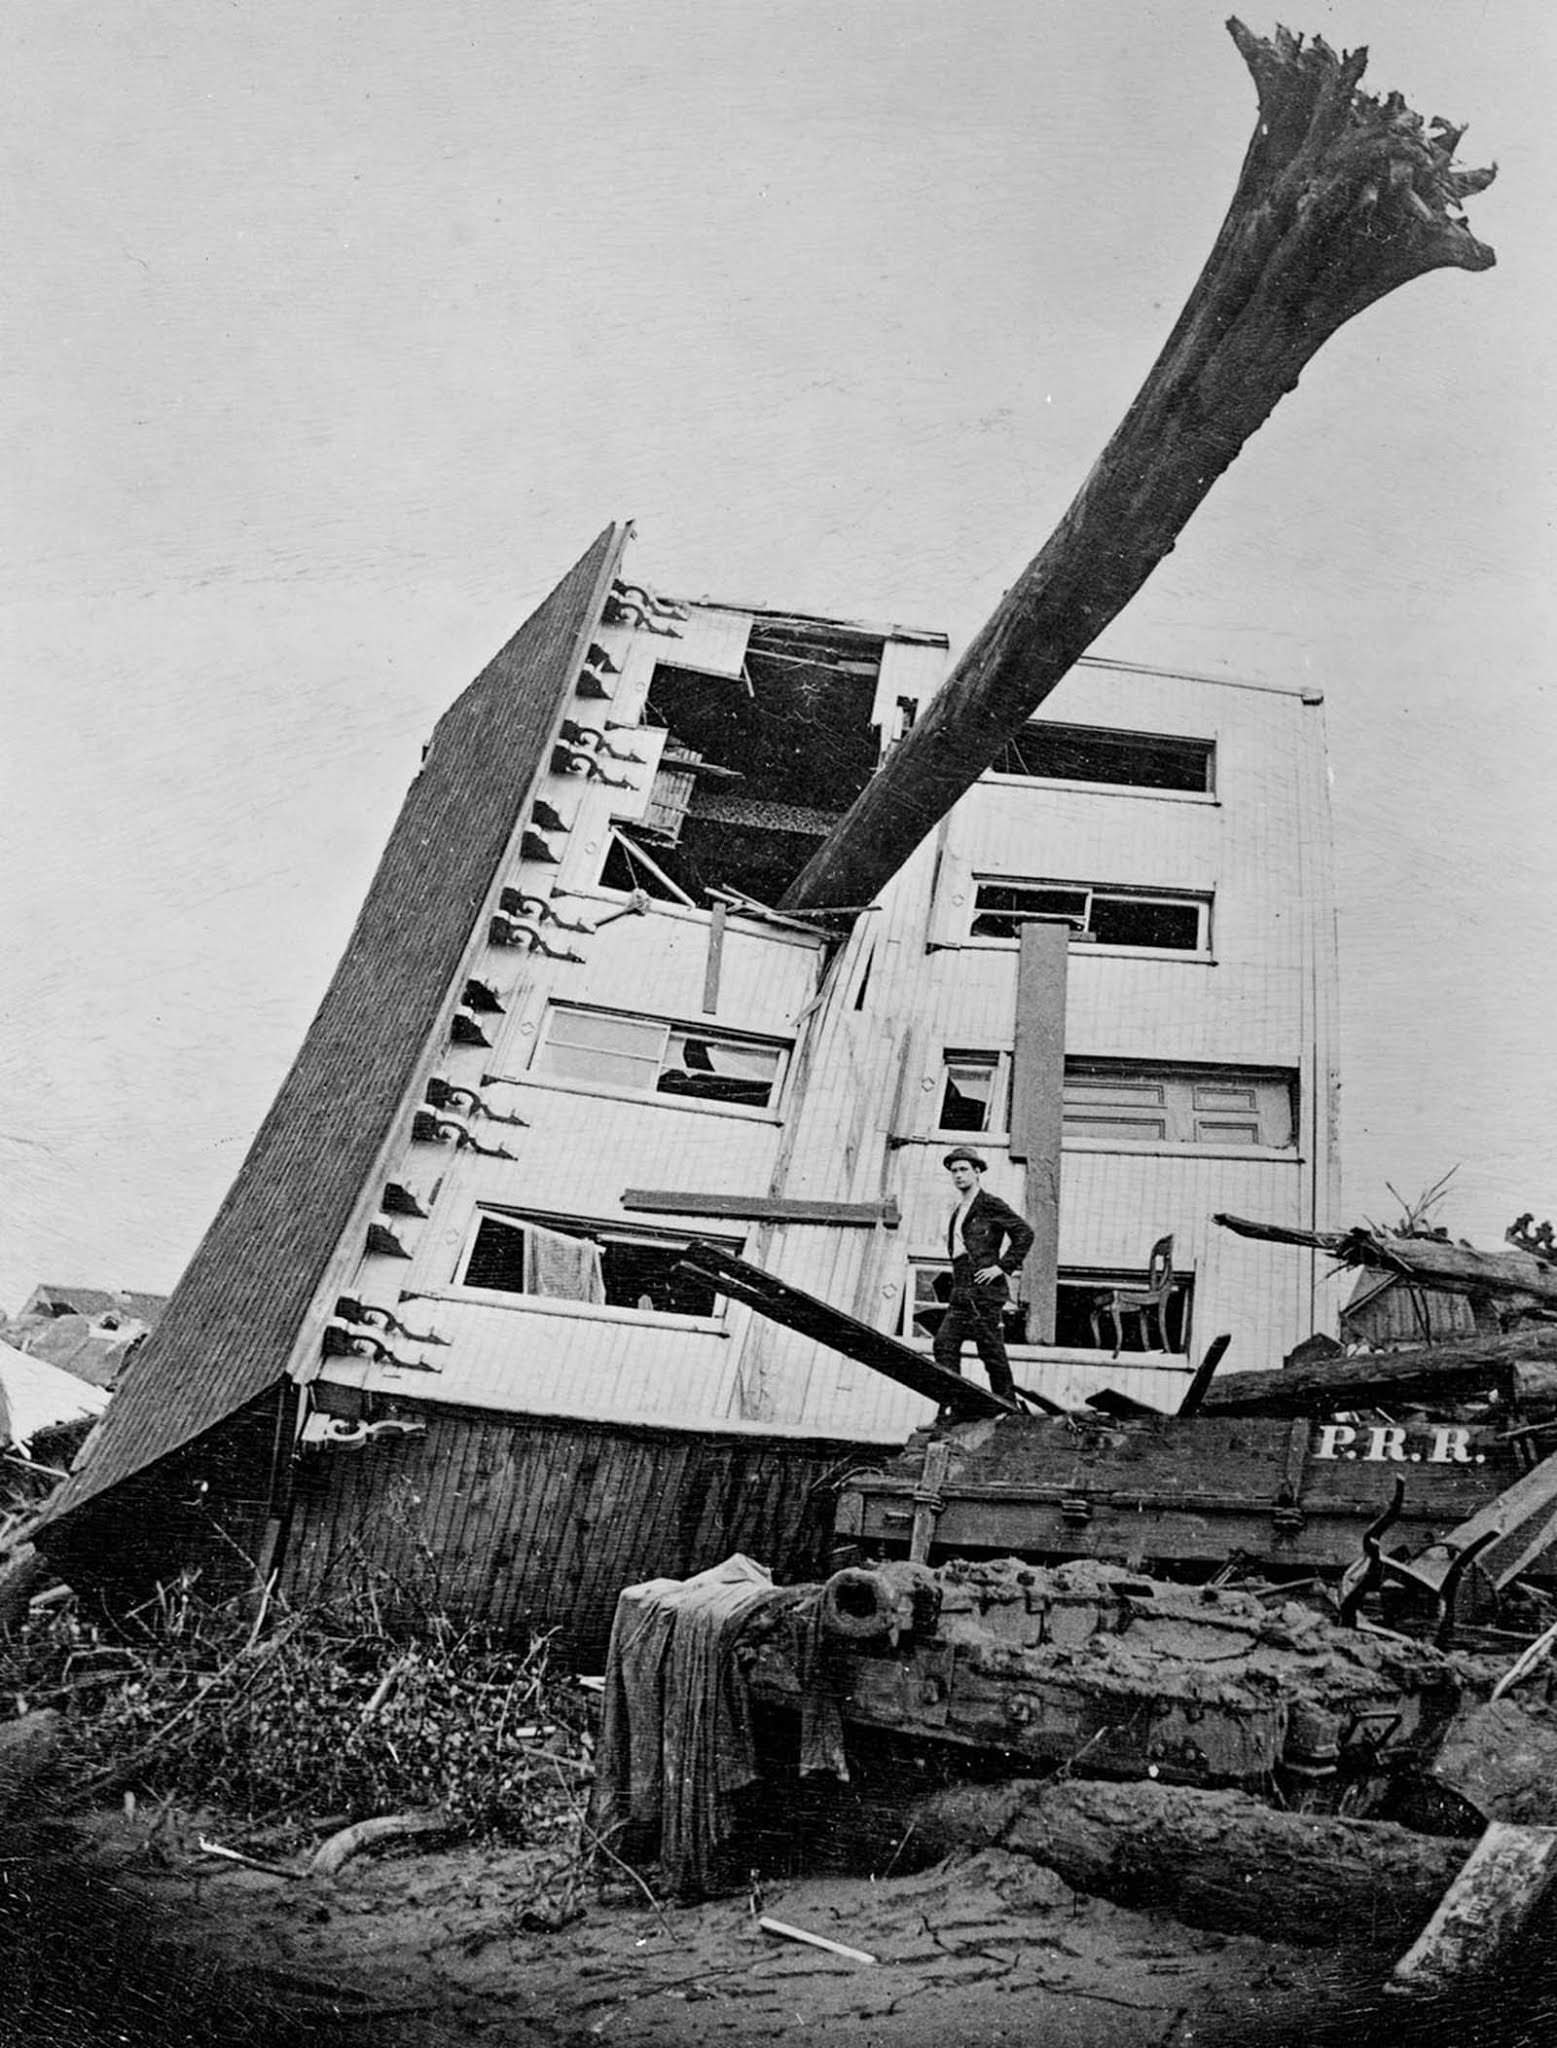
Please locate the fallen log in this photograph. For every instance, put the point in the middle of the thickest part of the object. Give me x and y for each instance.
(1341, 198)
(1214, 1859)
(1435, 1372)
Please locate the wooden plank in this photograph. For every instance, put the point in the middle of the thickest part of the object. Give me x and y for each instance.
(1521, 1521)
(718, 918)
(1037, 1106)
(788, 1306)
(1383, 1377)
(928, 1501)
(1507, 1875)
(767, 1208)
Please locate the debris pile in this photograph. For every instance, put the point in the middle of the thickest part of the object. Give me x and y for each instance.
(295, 1717)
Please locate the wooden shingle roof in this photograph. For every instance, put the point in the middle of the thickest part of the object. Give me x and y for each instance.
(231, 1324)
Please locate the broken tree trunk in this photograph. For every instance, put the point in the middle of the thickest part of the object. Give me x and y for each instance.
(1429, 1261)
(1215, 1859)
(1435, 1373)
(1342, 198)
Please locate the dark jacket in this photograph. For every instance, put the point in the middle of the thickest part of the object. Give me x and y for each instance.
(988, 1221)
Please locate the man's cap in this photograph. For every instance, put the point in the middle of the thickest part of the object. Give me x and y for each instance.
(965, 1152)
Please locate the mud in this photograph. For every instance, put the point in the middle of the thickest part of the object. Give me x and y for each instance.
(440, 1950)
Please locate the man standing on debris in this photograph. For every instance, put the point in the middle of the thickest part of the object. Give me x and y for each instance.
(981, 1272)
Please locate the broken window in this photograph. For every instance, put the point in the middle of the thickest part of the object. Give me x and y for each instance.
(627, 870)
(975, 1092)
(758, 768)
(562, 1259)
(1154, 920)
(1078, 1297)
(650, 1056)
(929, 1294)
(1080, 1294)
(1084, 753)
(1132, 1101)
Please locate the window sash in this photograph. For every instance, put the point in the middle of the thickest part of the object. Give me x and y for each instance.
(1000, 905)
(1138, 1105)
(645, 1056)
(485, 1242)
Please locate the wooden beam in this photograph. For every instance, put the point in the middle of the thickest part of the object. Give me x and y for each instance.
(1038, 1104)
(819, 1320)
(1436, 1372)
(717, 919)
(1489, 1904)
(1342, 198)
(1521, 1523)
(766, 1208)
(1215, 1859)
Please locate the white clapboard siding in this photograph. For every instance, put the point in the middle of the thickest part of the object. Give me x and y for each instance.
(579, 1364)
(868, 1026)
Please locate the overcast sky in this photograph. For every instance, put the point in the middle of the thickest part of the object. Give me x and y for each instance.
(335, 333)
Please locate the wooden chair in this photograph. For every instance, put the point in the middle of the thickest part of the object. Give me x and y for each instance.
(1140, 1302)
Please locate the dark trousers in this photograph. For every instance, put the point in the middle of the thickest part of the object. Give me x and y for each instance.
(974, 1312)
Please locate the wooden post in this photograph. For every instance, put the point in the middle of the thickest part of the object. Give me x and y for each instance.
(1037, 1105)
(927, 1500)
(1341, 199)
(1507, 1875)
(716, 924)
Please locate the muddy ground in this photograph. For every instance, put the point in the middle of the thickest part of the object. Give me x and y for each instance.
(124, 1932)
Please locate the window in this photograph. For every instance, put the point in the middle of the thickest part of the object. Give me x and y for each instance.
(1112, 916)
(645, 1056)
(1132, 1102)
(930, 1291)
(628, 870)
(1077, 1298)
(1212, 1106)
(1084, 753)
(560, 1259)
(976, 1092)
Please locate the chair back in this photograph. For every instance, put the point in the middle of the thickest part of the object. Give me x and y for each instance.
(1159, 1269)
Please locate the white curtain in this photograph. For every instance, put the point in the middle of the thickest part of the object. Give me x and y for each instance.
(565, 1268)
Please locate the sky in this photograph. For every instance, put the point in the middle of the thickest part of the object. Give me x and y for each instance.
(336, 333)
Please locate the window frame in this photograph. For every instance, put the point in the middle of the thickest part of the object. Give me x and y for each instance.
(1202, 901)
(670, 1029)
(675, 897)
(1184, 741)
(603, 1230)
(1190, 1076)
(1081, 1279)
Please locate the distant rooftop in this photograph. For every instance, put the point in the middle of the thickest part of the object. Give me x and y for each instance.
(47, 1299)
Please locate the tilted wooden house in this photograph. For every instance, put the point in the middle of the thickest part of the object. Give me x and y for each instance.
(439, 1322)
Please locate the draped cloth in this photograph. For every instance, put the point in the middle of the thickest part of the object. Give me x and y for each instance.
(562, 1267)
(676, 1735)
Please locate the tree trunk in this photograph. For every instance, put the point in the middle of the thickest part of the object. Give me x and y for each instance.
(1341, 198)
(1215, 1859)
